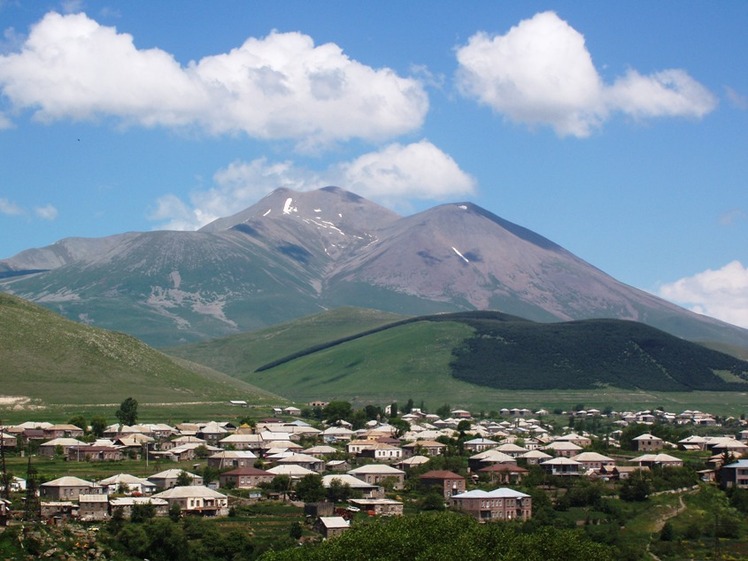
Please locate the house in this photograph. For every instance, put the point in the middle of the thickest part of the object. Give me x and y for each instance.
(648, 443)
(511, 449)
(291, 470)
(594, 461)
(367, 490)
(247, 477)
(447, 482)
(51, 510)
(242, 441)
(563, 448)
(232, 459)
(128, 484)
(321, 451)
(126, 504)
(503, 474)
(380, 474)
(58, 446)
(382, 452)
(534, 457)
(561, 466)
(303, 460)
(63, 431)
(734, 475)
(479, 444)
(331, 526)
(196, 499)
(92, 508)
(93, 453)
(293, 411)
(500, 504)
(662, 460)
(488, 457)
(424, 448)
(168, 478)
(378, 507)
(68, 488)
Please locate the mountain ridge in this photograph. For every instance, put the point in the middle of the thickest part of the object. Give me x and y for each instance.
(296, 253)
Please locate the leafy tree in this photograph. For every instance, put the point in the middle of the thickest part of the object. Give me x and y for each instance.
(444, 411)
(337, 411)
(310, 489)
(393, 409)
(400, 426)
(338, 492)
(637, 487)
(127, 414)
(408, 407)
(98, 426)
(184, 479)
(372, 412)
(281, 484)
(175, 512)
(80, 422)
(142, 512)
(463, 426)
(296, 531)
(433, 501)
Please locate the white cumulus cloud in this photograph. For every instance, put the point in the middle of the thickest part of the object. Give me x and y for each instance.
(10, 208)
(282, 86)
(415, 171)
(722, 294)
(393, 174)
(46, 212)
(541, 73)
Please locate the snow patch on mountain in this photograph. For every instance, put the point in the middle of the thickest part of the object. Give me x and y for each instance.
(465, 259)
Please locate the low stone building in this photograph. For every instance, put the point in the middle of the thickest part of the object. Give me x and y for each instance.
(500, 504)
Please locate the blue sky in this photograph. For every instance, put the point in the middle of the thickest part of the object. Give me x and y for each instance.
(618, 130)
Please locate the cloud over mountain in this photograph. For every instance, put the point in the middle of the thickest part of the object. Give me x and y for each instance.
(395, 173)
(721, 293)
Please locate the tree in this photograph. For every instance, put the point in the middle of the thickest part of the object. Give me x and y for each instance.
(127, 414)
(444, 411)
(400, 426)
(338, 492)
(184, 479)
(310, 489)
(98, 426)
(296, 530)
(337, 411)
(142, 512)
(80, 422)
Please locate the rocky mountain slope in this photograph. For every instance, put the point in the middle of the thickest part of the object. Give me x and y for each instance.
(296, 253)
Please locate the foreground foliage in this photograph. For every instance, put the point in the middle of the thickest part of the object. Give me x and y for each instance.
(448, 535)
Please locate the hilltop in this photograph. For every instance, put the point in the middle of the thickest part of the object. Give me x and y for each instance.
(51, 360)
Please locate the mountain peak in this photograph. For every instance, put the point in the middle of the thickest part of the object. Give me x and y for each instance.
(296, 252)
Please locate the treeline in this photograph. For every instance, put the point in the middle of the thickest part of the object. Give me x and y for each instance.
(589, 354)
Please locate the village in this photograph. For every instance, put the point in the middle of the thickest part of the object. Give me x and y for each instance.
(391, 466)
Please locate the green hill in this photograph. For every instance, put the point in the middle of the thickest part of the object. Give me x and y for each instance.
(468, 357)
(51, 360)
(240, 355)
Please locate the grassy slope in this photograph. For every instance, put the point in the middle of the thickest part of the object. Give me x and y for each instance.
(239, 355)
(413, 360)
(48, 358)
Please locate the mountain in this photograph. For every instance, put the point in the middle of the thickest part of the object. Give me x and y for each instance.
(297, 253)
(51, 360)
(475, 358)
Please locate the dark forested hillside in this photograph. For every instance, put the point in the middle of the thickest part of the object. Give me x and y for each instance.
(589, 354)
